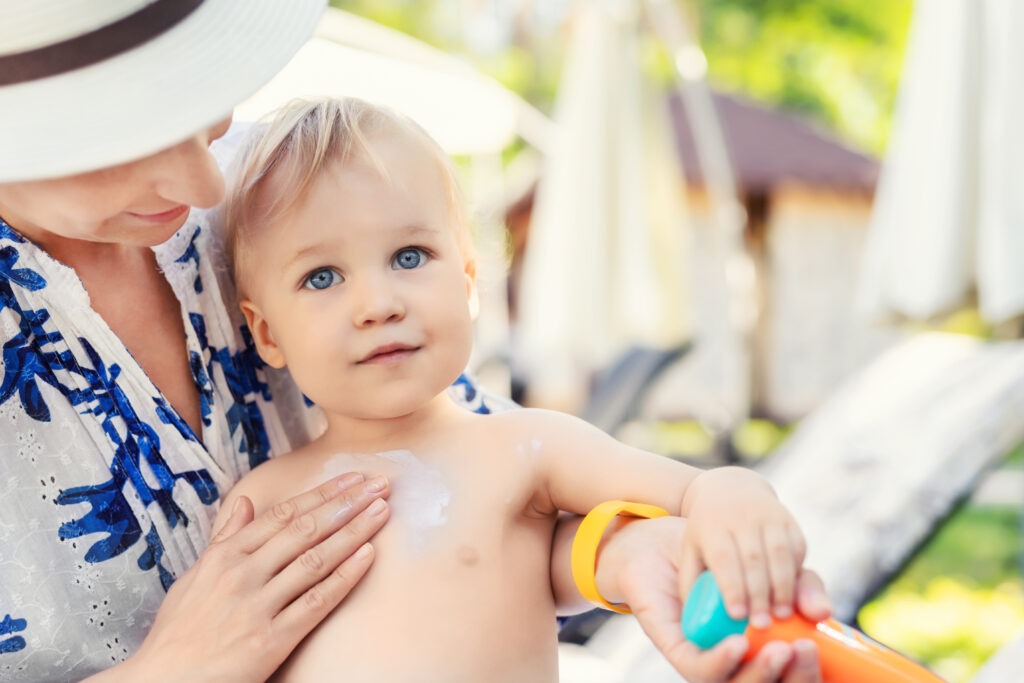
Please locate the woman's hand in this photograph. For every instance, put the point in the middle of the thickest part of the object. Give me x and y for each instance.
(639, 565)
(262, 585)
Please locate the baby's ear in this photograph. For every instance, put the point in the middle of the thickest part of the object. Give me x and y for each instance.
(472, 295)
(268, 349)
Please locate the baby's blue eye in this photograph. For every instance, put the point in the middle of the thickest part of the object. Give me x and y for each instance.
(409, 258)
(322, 278)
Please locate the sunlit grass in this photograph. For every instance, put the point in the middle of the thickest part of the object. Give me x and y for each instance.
(951, 626)
(960, 600)
(692, 440)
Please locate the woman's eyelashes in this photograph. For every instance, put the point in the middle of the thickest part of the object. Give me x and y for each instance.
(321, 278)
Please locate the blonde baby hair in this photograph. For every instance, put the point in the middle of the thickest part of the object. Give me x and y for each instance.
(296, 145)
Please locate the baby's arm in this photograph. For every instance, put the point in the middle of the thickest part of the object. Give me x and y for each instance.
(737, 526)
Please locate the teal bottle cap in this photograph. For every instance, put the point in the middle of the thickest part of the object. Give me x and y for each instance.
(705, 621)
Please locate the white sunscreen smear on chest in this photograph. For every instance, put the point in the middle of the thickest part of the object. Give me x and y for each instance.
(419, 492)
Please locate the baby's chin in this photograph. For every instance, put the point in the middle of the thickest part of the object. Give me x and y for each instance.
(399, 406)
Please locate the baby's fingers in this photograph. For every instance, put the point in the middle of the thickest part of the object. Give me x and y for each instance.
(782, 567)
(755, 576)
(722, 557)
(811, 599)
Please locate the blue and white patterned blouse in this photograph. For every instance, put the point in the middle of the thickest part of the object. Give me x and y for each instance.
(106, 495)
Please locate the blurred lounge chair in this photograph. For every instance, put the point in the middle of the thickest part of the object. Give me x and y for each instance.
(874, 471)
(877, 468)
(618, 393)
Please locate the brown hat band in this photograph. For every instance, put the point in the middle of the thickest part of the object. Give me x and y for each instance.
(95, 46)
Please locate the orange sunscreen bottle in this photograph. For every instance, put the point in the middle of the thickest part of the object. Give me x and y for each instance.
(846, 654)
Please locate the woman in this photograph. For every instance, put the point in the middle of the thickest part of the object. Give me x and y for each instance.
(130, 395)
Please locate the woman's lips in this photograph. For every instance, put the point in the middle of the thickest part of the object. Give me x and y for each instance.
(163, 216)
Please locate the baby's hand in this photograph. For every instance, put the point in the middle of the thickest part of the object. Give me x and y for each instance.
(739, 530)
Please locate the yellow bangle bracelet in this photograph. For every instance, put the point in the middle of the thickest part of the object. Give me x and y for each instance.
(588, 538)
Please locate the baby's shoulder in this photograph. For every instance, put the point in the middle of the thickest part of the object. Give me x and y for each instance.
(276, 479)
(531, 416)
(530, 422)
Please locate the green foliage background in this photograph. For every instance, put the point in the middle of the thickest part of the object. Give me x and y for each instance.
(836, 62)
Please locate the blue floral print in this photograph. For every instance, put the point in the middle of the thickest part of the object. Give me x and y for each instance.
(8, 642)
(139, 511)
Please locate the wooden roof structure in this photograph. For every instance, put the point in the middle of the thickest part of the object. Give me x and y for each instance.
(770, 147)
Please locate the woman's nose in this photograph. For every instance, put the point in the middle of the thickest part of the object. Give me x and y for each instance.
(189, 174)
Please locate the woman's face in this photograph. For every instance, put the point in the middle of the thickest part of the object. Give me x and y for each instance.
(140, 203)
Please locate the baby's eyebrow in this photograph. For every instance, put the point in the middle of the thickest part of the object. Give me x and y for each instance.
(417, 229)
(412, 230)
(303, 253)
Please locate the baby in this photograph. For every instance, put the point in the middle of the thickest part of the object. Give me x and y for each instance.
(355, 269)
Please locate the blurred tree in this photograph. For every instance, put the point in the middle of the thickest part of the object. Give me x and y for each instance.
(837, 61)
(415, 17)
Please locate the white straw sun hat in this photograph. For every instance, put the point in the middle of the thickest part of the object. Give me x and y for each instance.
(86, 84)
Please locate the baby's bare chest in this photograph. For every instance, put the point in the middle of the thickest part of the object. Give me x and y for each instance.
(448, 501)
(458, 558)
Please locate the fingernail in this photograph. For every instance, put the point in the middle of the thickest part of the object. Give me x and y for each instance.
(344, 508)
(375, 485)
(376, 507)
(349, 479)
(760, 620)
(363, 552)
(783, 611)
(804, 645)
(777, 661)
(737, 610)
(736, 646)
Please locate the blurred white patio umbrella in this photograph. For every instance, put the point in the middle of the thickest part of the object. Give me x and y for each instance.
(602, 267)
(948, 223)
(466, 111)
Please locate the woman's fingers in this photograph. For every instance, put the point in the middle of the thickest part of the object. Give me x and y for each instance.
(804, 667)
(690, 569)
(307, 530)
(767, 666)
(326, 572)
(307, 610)
(241, 515)
(256, 534)
(716, 665)
(795, 662)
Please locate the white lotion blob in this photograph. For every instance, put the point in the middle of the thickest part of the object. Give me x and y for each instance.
(419, 492)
